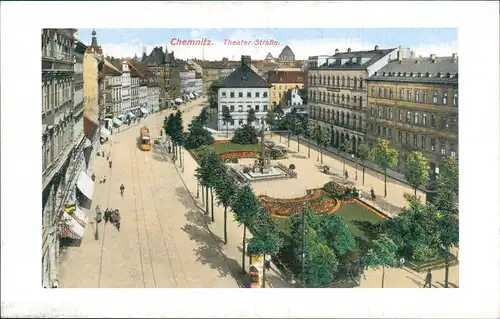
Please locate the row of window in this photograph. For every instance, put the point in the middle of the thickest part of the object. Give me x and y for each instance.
(55, 144)
(57, 46)
(56, 94)
(340, 81)
(416, 142)
(336, 98)
(338, 116)
(240, 108)
(249, 94)
(417, 118)
(413, 95)
(243, 121)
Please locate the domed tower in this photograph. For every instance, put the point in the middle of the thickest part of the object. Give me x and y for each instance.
(94, 47)
(287, 55)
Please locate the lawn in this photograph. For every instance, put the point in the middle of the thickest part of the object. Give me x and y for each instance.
(230, 147)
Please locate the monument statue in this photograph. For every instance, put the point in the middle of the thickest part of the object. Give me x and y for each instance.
(263, 163)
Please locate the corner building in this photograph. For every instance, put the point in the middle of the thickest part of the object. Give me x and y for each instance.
(338, 90)
(413, 104)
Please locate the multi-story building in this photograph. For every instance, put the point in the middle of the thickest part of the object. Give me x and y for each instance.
(78, 95)
(143, 94)
(187, 78)
(135, 104)
(283, 80)
(241, 91)
(198, 84)
(413, 103)
(113, 83)
(338, 89)
(165, 68)
(149, 91)
(61, 106)
(212, 71)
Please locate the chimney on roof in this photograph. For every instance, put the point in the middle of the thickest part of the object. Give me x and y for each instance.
(400, 54)
(412, 54)
(433, 57)
(454, 57)
(376, 48)
(348, 49)
(336, 51)
(246, 60)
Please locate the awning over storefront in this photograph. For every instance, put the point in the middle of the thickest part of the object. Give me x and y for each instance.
(81, 215)
(143, 110)
(87, 143)
(130, 114)
(85, 185)
(179, 100)
(105, 132)
(117, 121)
(70, 228)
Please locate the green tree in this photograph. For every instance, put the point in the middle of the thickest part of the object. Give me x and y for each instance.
(226, 118)
(334, 230)
(363, 153)
(448, 225)
(177, 132)
(251, 116)
(296, 127)
(321, 265)
(208, 167)
(385, 157)
(347, 147)
(245, 206)
(245, 135)
(446, 199)
(270, 120)
(417, 170)
(289, 122)
(203, 116)
(383, 254)
(225, 189)
(324, 141)
(213, 95)
(197, 135)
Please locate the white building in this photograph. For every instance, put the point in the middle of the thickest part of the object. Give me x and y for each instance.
(240, 91)
(135, 104)
(293, 98)
(148, 90)
(198, 84)
(126, 88)
(143, 96)
(187, 75)
(113, 83)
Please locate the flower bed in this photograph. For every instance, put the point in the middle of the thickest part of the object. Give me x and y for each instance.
(284, 208)
(231, 155)
(221, 142)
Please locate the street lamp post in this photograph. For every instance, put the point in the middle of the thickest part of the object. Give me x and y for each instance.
(356, 161)
(98, 219)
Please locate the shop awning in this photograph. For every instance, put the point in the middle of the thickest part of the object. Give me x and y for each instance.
(179, 100)
(117, 121)
(81, 215)
(143, 110)
(85, 185)
(130, 114)
(70, 228)
(87, 143)
(105, 132)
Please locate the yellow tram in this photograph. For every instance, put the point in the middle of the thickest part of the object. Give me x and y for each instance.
(145, 139)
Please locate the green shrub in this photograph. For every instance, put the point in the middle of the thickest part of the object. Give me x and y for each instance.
(245, 135)
(292, 166)
(424, 253)
(234, 160)
(246, 170)
(334, 189)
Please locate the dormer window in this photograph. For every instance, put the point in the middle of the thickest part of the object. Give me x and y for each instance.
(419, 74)
(399, 74)
(439, 74)
(411, 74)
(427, 74)
(404, 74)
(383, 74)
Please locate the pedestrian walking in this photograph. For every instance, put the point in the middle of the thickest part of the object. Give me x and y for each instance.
(110, 163)
(428, 279)
(268, 262)
(346, 174)
(372, 192)
(106, 215)
(117, 219)
(93, 177)
(122, 189)
(104, 179)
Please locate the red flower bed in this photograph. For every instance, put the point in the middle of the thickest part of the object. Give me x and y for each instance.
(231, 155)
(221, 142)
(311, 195)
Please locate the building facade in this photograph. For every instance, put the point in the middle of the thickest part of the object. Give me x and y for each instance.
(187, 75)
(281, 82)
(211, 71)
(164, 66)
(413, 104)
(113, 83)
(240, 91)
(62, 146)
(338, 89)
(198, 84)
(134, 89)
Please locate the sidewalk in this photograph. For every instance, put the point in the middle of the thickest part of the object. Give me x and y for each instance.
(233, 250)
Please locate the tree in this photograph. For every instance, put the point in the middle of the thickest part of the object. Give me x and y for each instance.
(336, 233)
(245, 135)
(446, 198)
(417, 170)
(209, 166)
(197, 135)
(385, 157)
(383, 254)
(203, 117)
(363, 153)
(309, 133)
(177, 131)
(296, 127)
(251, 116)
(225, 189)
(226, 118)
(448, 225)
(215, 168)
(213, 95)
(321, 265)
(270, 120)
(245, 206)
(347, 147)
(324, 141)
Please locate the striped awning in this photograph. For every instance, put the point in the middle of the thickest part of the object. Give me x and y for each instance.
(117, 121)
(70, 228)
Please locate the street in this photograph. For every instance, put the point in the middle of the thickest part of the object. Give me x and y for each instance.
(162, 242)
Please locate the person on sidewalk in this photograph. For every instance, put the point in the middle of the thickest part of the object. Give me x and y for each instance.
(106, 215)
(110, 163)
(122, 189)
(93, 177)
(372, 193)
(346, 174)
(117, 219)
(268, 262)
(428, 279)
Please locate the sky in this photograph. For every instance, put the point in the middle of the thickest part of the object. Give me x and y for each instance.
(303, 42)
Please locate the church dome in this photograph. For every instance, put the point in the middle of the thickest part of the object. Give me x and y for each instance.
(287, 54)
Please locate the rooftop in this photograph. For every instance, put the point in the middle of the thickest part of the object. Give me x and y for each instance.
(286, 77)
(355, 59)
(429, 70)
(244, 77)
